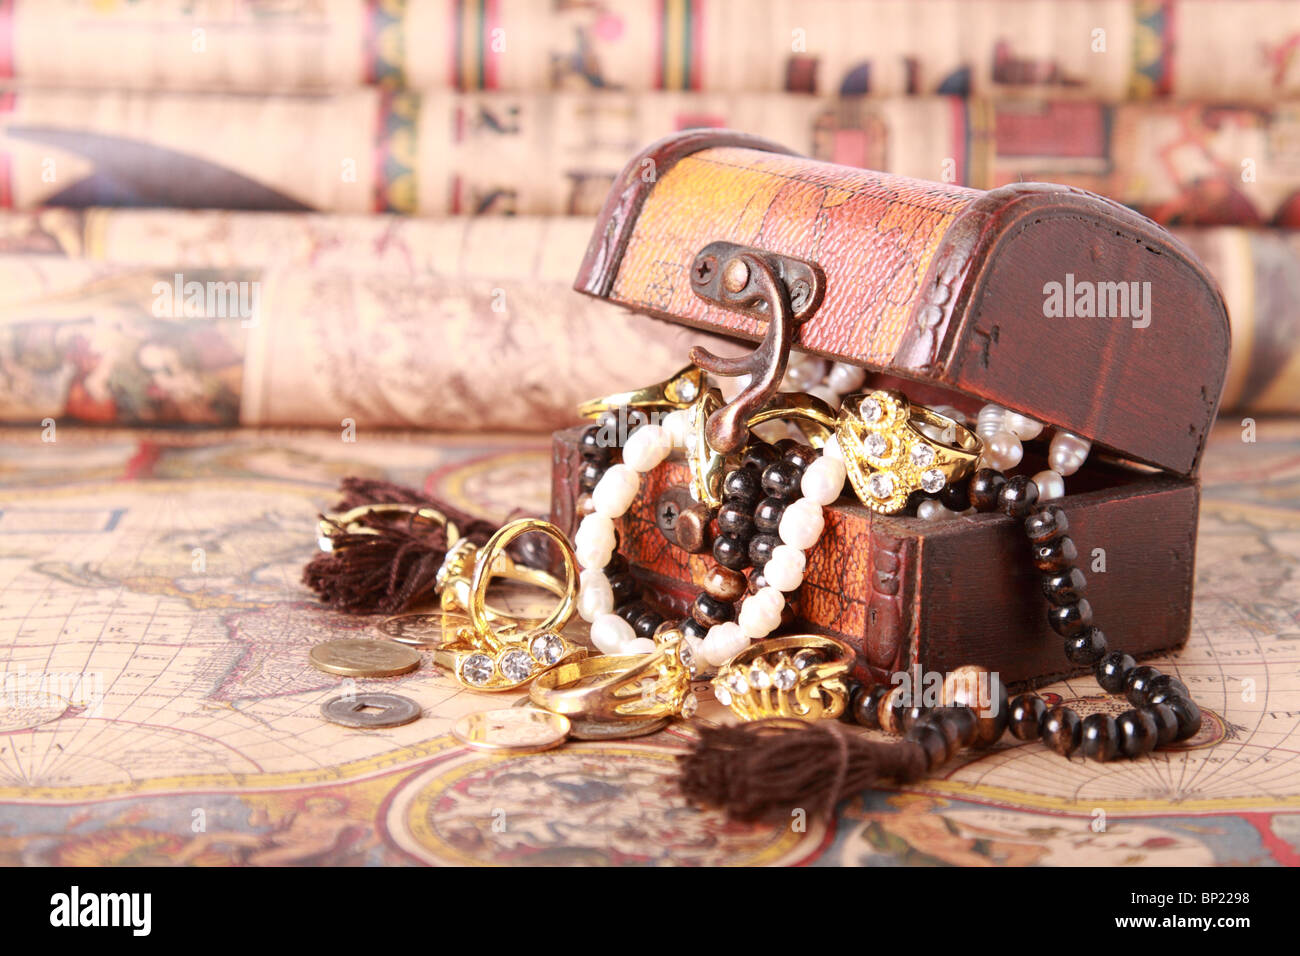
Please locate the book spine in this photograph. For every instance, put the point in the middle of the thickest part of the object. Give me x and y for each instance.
(1105, 49)
(535, 154)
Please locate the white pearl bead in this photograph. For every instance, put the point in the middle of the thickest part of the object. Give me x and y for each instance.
(640, 645)
(1002, 451)
(1050, 485)
(784, 570)
(948, 411)
(929, 510)
(826, 394)
(1067, 453)
(595, 597)
(823, 480)
(845, 378)
(1023, 427)
(677, 425)
(771, 596)
(723, 642)
(758, 618)
(797, 358)
(647, 447)
(594, 541)
(990, 420)
(801, 525)
(804, 375)
(615, 491)
(833, 450)
(610, 634)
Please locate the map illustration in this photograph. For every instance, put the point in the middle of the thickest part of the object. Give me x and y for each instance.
(158, 707)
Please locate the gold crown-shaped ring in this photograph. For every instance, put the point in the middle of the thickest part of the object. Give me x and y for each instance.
(893, 448)
(803, 676)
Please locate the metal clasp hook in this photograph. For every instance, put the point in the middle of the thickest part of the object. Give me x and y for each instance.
(763, 285)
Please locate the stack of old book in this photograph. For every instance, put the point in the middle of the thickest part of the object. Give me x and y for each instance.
(224, 213)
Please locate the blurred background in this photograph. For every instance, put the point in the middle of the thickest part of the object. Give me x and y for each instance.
(295, 212)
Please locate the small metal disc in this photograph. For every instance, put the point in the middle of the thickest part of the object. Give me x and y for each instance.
(616, 729)
(422, 630)
(580, 729)
(517, 729)
(371, 710)
(354, 657)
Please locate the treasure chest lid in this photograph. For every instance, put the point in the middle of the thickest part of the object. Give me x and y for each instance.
(1048, 300)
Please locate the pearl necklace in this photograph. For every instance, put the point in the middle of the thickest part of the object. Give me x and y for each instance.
(800, 527)
(1002, 431)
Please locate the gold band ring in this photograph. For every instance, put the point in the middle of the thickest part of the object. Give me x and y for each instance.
(626, 686)
(678, 391)
(498, 651)
(493, 561)
(893, 448)
(331, 526)
(802, 676)
(455, 582)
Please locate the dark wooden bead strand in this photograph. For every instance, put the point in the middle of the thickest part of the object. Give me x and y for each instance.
(755, 494)
(1163, 711)
(1135, 732)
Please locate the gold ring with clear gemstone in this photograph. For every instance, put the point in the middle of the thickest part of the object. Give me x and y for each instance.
(479, 668)
(622, 686)
(893, 448)
(467, 571)
(497, 651)
(678, 391)
(804, 676)
(707, 466)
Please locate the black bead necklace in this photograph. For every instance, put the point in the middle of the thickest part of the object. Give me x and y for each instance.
(1163, 710)
(754, 497)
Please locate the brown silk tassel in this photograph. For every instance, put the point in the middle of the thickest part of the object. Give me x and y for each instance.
(388, 572)
(768, 767)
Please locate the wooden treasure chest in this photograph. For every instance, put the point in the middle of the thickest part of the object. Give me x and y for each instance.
(1051, 302)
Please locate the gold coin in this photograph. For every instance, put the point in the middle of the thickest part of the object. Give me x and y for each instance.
(518, 729)
(582, 729)
(354, 657)
(423, 630)
(616, 729)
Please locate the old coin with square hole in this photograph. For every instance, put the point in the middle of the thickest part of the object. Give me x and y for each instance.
(370, 710)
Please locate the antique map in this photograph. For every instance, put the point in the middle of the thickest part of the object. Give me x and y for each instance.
(158, 707)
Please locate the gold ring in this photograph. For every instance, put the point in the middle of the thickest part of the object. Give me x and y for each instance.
(501, 657)
(626, 686)
(492, 561)
(707, 466)
(802, 676)
(455, 581)
(478, 668)
(893, 448)
(679, 391)
(331, 526)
